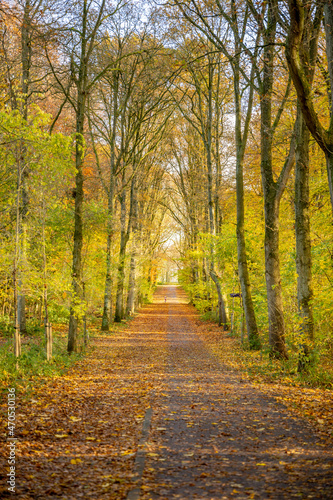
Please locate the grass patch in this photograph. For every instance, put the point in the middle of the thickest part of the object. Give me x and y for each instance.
(261, 368)
(32, 367)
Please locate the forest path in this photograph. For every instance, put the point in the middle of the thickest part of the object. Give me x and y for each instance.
(151, 413)
(215, 436)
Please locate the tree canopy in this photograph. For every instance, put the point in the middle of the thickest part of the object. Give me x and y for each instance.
(190, 142)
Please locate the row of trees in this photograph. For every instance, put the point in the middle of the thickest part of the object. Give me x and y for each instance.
(200, 113)
(85, 179)
(277, 58)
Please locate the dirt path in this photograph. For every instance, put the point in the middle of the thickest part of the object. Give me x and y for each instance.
(152, 414)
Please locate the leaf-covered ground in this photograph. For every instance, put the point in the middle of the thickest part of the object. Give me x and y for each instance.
(213, 434)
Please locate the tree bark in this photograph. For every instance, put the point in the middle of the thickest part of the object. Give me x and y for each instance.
(307, 48)
(107, 306)
(130, 307)
(124, 237)
(81, 84)
(26, 56)
(131, 296)
(223, 321)
(298, 66)
(119, 312)
(303, 238)
(87, 38)
(272, 194)
(273, 279)
(78, 237)
(243, 273)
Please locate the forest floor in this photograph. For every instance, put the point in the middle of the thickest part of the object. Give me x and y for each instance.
(153, 412)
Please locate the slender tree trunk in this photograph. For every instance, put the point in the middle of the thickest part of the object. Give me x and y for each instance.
(271, 198)
(218, 176)
(207, 137)
(107, 309)
(134, 225)
(303, 238)
(328, 22)
(273, 279)
(26, 55)
(21, 309)
(243, 273)
(299, 64)
(329, 165)
(223, 321)
(78, 238)
(81, 85)
(17, 335)
(107, 304)
(131, 285)
(208, 143)
(307, 49)
(119, 312)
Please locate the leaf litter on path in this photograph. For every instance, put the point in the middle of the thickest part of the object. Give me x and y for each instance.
(213, 434)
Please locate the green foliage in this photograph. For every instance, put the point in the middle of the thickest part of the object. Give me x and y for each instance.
(32, 364)
(29, 153)
(6, 326)
(146, 291)
(58, 313)
(224, 247)
(35, 328)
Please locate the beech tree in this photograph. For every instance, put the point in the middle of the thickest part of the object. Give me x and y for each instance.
(299, 61)
(237, 21)
(202, 93)
(131, 124)
(23, 73)
(86, 21)
(186, 123)
(309, 52)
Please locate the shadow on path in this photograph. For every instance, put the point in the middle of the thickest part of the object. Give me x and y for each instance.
(216, 436)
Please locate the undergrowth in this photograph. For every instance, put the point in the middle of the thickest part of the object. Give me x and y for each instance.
(260, 367)
(32, 367)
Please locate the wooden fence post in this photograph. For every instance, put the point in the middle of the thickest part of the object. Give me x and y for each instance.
(17, 340)
(49, 340)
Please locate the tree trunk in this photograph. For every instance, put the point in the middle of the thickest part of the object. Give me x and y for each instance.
(119, 313)
(329, 165)
(272, 195)
(131, 297)
(223, 321)
(107, 313)
(21, 309)
(78, 240)
(124, 236)
(241, 141)
(81, 85)
(131, 285)
(243, 273)
(26, 55)
(303, 238)
(299, 64)
(273, 279)
(107, 306)
(17, 336)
